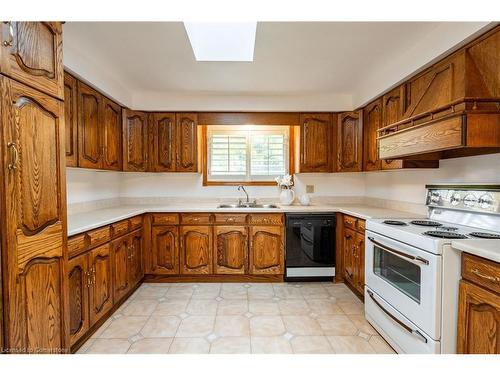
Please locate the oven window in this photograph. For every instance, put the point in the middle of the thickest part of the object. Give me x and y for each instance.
(403, 275)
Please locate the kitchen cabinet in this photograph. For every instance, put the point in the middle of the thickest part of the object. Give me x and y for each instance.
(479, 306)
(99, 130)
(372, 121)
(135, 141)
(350, 142)
(71, 119)
(136, 259)
(31, 53)
(79, 282)
(163, 144)
(266, 255)
(33, 201)
(121, 267)
(165, 250)
(195, 250)
(101, 290)
(230, 250)
(353, 251)
(187, 142)
(315, 143)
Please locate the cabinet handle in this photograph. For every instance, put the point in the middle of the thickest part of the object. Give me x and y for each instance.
(494, 279)
(13, 156)
(10, 41)
(230, 219)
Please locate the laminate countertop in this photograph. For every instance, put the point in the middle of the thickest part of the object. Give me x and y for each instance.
(489, 249)
(84, 221)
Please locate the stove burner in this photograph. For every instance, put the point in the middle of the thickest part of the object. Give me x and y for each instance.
(395, 222)
(450, 229)
(442, 234)
(485, 235)
(426, 223)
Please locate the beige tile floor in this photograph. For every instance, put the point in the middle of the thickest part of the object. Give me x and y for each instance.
(238, 318)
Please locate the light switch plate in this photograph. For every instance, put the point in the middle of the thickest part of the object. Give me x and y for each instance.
(310, 189)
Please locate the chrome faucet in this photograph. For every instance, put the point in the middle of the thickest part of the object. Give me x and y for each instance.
(241, 187)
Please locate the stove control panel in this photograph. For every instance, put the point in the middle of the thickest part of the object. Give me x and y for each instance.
(465, 198)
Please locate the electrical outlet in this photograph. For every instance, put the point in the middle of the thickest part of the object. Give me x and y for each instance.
(310, 189)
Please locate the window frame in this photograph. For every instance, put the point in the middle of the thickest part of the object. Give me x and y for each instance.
(205, 158)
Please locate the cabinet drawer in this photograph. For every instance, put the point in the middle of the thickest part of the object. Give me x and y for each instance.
(99, 236)
(120, 228)
(360, 225)
(266, 219)
(230, 219)
(481, 271)
(76, 245)
(350, 222)
(135, 222)
(165, 219)
(189, 219)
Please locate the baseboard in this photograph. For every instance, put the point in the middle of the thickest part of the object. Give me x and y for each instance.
(213, 278)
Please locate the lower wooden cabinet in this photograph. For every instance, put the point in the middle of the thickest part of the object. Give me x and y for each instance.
(136, 269)
(79, 283)
(266, 250)
(165, 250)
(353, 252)
(101, 284)
(479, 306)
(121, 267)
(230, 250)
(195, 250)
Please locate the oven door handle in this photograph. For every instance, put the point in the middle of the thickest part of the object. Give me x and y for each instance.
(399, 253)
(403, 325)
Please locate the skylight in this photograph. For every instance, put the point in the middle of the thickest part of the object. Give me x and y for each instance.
(222, 41)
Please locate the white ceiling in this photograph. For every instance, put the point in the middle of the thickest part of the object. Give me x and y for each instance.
(291, 58)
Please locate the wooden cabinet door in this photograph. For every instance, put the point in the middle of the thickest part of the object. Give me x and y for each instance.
(195, 250)
(266, 251)
(187, 142)
(162, 142)
(111, 134)
(348, 251)
(315, 142)
(350, 142)
(165, 250)
(78, 284)
(121, 260)
(33, 226)
(89, 127)
(392, 111)
(360, 262)
(478, 320)
(230, 250)
(71, 120)
(136, 269)
(31, 53)
(135, 141)
(371, 123)
(101, 291)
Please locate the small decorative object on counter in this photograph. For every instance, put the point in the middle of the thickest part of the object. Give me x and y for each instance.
(287, 195)
(305, 200)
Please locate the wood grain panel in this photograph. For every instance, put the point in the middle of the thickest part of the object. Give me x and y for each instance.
(135, 141)
(136, 267)
(101, 291)
(187, 142)
(121, 260)
(371, 123)
(315, 143)
(195, 250)
(71, 119)
(165, 250)
(89, 128)
(196, 219)
(266, 251)
(78, 284)
(165, 219)
(230, 250)
(350, 142)
(481, 271)
(266, 219)
(248, 118)
(111, 125)
(163, 142)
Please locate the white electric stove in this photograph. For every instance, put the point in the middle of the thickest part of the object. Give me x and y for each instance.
(412, 273)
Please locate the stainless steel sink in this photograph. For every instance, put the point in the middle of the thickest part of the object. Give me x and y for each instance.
(247, 205)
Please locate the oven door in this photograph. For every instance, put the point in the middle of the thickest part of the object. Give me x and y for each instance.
(409, 279)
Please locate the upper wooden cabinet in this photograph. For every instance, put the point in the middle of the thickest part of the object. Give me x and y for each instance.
(315, 143)
(31, 53)
(33, 201)
(163, 144)
(187, 142)
(135, 141)
(372, 122)
(71, 119)
(111, 116)
(350, 142)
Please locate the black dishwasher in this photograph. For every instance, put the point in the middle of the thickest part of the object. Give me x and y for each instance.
(310, 247)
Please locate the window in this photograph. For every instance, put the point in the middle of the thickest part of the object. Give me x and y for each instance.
(246, 153)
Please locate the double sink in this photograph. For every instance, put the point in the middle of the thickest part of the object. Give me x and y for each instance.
(247, 205)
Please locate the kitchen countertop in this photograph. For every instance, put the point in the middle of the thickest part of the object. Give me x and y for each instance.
(84, 221)
(489, 249)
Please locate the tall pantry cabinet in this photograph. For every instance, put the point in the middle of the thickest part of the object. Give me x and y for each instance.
(32, 188)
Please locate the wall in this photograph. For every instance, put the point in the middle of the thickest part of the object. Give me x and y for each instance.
(409, 186)
(84, 185)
